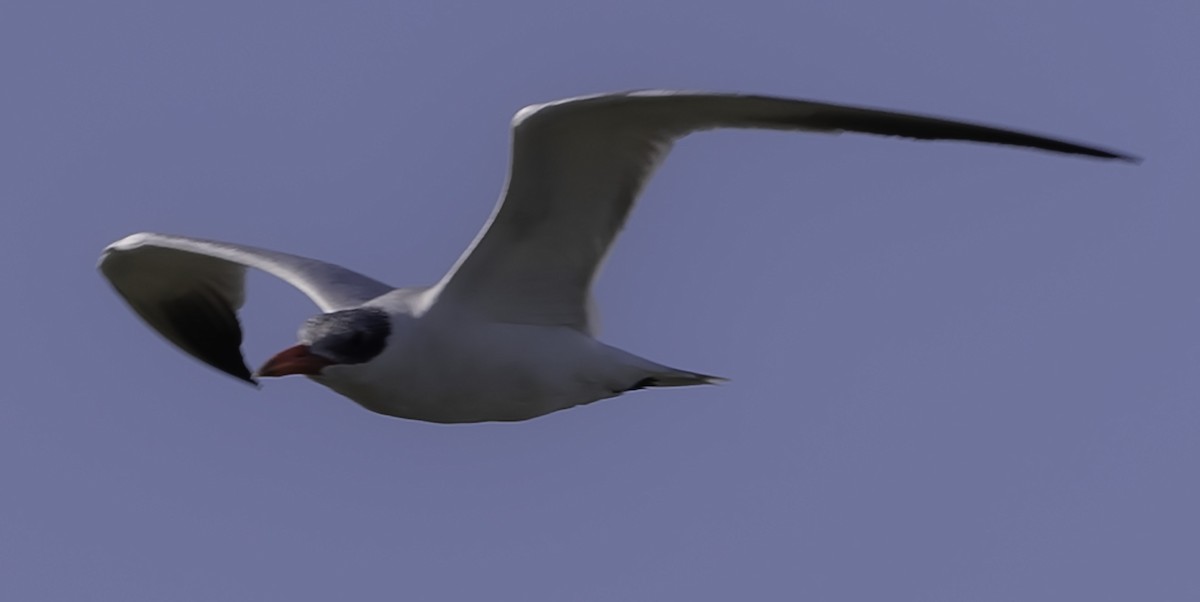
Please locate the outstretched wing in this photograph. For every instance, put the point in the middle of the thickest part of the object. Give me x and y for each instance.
(578, 165)
(190, 290)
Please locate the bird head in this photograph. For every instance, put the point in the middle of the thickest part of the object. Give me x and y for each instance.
(346, 337)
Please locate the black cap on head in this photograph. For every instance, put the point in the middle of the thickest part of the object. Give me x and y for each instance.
(349, 336)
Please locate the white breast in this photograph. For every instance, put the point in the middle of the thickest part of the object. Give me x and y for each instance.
(483, 371)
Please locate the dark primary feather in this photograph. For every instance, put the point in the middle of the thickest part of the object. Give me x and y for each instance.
(889, 123)
(205, 326)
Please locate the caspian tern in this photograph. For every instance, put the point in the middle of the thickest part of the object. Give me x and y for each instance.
(507, 333)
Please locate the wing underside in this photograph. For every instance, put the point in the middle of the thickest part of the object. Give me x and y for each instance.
(190, 290)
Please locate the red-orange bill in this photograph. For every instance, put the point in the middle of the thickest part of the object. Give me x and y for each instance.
(294, 360)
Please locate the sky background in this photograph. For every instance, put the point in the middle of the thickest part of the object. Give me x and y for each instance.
(959, 372)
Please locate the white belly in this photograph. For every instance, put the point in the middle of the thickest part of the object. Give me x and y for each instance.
(486, 372)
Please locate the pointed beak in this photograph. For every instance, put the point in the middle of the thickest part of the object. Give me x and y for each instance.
(294, 360)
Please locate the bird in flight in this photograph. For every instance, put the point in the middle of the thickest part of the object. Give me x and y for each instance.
(507, 333)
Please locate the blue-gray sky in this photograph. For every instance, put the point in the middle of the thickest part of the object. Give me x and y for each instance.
(959, 373)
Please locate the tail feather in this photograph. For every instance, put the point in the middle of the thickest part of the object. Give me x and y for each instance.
(645, 373)
(678, 378)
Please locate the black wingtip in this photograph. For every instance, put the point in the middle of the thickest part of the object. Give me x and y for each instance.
(1101, 153)
(889, 123)
(233, 366)
(205, 325)
(238, 371)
